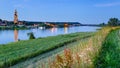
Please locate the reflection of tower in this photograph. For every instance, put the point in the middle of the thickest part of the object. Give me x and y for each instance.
(15, 17)
(15, 35)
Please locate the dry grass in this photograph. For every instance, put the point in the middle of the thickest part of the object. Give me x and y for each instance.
(83, 55)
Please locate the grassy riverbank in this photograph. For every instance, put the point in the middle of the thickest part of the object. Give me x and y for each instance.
(13, 53)
(84, 55)
(12, 27)
(109, 56)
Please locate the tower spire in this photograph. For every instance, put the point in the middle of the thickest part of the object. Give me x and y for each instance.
(15, 17)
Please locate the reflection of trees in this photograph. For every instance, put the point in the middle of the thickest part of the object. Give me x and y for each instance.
(16, 35)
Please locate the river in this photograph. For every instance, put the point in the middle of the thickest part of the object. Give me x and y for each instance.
(7, 36)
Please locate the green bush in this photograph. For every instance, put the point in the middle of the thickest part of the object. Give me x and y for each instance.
(31, 35)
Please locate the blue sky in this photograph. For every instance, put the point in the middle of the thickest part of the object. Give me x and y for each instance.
(83, 11)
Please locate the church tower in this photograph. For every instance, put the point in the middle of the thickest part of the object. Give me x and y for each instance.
(15, 17)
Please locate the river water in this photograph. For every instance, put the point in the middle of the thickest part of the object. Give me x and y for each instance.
(7, 36)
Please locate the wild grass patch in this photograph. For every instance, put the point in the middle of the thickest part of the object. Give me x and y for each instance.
(13, 53)
(84, 54)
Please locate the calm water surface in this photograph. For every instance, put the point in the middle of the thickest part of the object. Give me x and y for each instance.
(7, 36)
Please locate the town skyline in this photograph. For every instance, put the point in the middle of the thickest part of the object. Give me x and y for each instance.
(90, 12)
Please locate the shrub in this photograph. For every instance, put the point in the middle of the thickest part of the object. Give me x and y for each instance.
(31, 35)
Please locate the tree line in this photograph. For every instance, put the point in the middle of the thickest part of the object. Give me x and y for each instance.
(112, 22)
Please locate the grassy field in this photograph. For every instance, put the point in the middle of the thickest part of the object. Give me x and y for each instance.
(109, 56)
(43, 58)
(85, 54)
(13, 53)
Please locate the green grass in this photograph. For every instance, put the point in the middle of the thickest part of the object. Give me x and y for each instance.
(109, 56)
(13, 53)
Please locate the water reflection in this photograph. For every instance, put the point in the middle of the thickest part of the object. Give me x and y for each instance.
(16, 35)
(53, 30)
(65, 30)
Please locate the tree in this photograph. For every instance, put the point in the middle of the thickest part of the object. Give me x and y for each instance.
(0, 20)
(113, 22)
(102, 24)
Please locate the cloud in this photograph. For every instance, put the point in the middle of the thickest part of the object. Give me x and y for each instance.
(18, 6)
(108, 4)
(22, 4)
(26, 0)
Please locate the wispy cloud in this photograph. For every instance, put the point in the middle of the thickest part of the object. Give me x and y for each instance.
(22, 4)
(26, 0)
(18, 6)
(108, 4)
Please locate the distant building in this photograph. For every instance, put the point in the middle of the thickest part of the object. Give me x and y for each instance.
(3, 23)
(63, 24)
(15, 17)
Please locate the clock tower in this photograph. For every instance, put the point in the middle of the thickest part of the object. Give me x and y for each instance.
(15, 17)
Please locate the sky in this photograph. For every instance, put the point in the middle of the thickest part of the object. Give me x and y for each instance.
(83, 11)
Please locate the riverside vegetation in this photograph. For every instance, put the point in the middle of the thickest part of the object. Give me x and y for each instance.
(13, 53)
(109, 55)
(100, 51)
